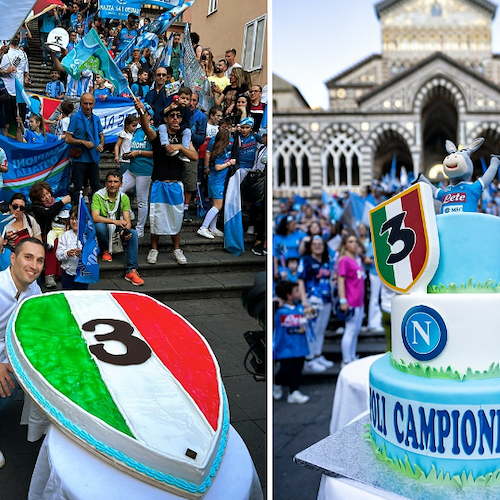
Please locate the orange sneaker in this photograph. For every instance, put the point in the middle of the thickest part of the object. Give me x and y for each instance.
(134, 278)
(106, 256)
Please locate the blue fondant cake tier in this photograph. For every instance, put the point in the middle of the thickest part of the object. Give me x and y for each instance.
(453, 426)
(469, 248)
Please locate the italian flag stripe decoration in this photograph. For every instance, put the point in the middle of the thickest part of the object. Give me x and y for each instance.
(149, 372)
(400, 229)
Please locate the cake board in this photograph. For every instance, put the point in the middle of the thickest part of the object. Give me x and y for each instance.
(347, 455)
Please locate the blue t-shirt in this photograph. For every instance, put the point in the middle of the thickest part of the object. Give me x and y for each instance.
(48, 23)
(290, 332)
(218, 178)
(78, 130)
(36, 138)
(140, 165)
(248, 150)
(55, 89)
(125, 37)
(462, 197)
(99, 92)
(317, 277)
(285, 247)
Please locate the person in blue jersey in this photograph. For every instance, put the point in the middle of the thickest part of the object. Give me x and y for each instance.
(315, 285)
(100, 90)
(217, 160)
(50, 20)
(138, 173)
(127, 33)
(141, 87)
(85, 132)
(248, 143)
(286, 243)
(55, 88)
(290, 348)
(36, 133)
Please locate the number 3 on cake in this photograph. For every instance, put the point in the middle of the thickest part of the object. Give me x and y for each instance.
(405, 239)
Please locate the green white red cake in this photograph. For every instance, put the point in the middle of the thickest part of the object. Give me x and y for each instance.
(129, 379)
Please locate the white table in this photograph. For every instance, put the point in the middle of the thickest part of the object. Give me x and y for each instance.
(352, 392)
(66, 471)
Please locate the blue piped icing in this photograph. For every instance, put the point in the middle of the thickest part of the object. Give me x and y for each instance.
(469, 244)
(112, 452)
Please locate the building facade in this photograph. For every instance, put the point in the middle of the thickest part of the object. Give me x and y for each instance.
(436, 79)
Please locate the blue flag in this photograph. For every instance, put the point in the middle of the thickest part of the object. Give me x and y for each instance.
(87, 270)
(32, 104)
(4, 221)
(142, 41)
(165, 20)
(166, 55)
(91, 53)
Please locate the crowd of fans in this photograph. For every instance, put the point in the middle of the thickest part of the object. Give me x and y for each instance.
(202, 140)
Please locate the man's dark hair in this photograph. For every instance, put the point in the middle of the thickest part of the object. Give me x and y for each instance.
(114, 173)
(31, 239)
(284, 288)
(214, 110)
(195, 38)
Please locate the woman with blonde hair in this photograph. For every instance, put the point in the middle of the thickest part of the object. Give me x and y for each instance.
(207, 62)
(351, 294)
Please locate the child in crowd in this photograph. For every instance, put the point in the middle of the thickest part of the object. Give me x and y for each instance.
(55, 88)
(290, 272)
(217, 160)
(100, 90)
(68, 253)
(36, 133)
(291, 327)
(141, 87)
(181, 103)
(67, 108)
(122, 145)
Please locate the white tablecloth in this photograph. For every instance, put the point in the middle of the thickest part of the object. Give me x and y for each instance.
(66, 471)
(352, 392)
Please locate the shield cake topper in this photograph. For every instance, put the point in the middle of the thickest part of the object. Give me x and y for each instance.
(405, 239)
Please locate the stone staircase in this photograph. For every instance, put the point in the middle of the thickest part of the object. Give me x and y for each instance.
(211, 271)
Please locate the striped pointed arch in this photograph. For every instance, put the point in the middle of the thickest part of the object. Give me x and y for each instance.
(292, 155)
(341, 155)
(435, 88)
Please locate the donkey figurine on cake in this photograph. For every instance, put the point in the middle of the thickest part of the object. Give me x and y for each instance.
(462, 195)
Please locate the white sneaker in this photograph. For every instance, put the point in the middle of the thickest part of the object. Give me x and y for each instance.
(2, 460)
(325, 362)
(312, 367)
(251, 230)
(217, 232)
(297, 397)
(203, 231)
(277, 391)
(152, 256)
(50, 282)
(179, 256)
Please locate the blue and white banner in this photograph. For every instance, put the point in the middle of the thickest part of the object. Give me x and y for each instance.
(119, 9)
(142, 41)
(166, 55)
(233, 220)
(356, 211)
(112, 113)
(29, 163)
(22, 97)
(87, 270)
(165, 20)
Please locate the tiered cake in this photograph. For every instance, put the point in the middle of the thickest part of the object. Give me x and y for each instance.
(129, 379)
(435, 400)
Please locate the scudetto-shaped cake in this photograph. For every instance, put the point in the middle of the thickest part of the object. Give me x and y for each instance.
(129, 379)
(435, 400)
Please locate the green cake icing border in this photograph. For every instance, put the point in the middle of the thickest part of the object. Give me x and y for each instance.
(419, 370)
(413, 471)
(489, 286)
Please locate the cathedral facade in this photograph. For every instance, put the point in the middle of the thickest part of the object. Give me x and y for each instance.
(436, 79)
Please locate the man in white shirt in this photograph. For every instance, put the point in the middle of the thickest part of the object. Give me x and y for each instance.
(17, 282)
(14, 64)
(231, 61)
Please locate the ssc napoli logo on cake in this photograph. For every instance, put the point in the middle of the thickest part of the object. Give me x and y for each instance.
(424, 333)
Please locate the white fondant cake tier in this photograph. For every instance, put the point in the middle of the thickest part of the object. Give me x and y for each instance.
(469, 244)
(447, 331)
(449, 425)
(129, 379)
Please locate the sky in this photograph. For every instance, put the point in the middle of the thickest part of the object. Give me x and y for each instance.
(311, 47)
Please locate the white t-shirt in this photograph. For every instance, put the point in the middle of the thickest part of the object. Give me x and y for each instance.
(125, 145)
(62, 126)
(19, 59)
(212, 130)
(8, 304)
(230, 68)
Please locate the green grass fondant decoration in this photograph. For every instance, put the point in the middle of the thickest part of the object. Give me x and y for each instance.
(489, 286)
(415, 472)
(417, 369)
